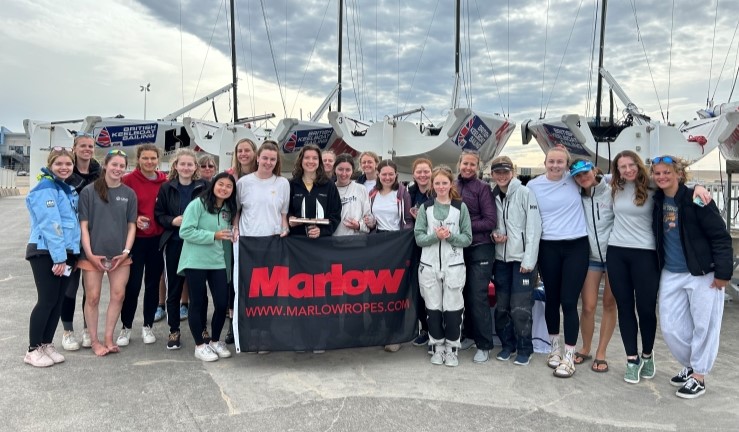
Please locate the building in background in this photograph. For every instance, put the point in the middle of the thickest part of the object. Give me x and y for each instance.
(15, 150)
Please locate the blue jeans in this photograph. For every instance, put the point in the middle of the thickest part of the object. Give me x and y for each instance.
(513, 318)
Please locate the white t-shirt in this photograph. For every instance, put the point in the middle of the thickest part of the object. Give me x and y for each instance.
(263, 202)
(369, 185)
(560, 207)
(385, 211)
(632, 225)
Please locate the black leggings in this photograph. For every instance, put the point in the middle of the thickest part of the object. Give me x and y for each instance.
(634, 275)
(563, 265)
(218, 282)
(145, 254)
(70, 298)
(46, 312)
(174, 284)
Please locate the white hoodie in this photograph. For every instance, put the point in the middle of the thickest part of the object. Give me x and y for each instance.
(519, 219)
(354, 205)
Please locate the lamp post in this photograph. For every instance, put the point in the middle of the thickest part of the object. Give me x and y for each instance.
(145, 89)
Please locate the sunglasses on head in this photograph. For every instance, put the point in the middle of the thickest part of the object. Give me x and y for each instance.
(61, 149)
(83, 134)
(204, 166)
(117, 152)
(663, 159)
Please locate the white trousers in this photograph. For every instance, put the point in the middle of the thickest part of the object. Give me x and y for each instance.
(690, 314)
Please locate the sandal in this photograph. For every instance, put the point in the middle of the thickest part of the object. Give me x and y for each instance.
(596, 366)
(554, 359)
(565, 369)
(581, 358)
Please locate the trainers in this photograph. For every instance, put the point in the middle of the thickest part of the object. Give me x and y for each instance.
(437, 355)
(466, 344)
(648, 370)
(691, 389)
(86, 339)
(219, 348)
(633, 372)
(148, 335)
(430, 350)
(522, 359)
(392, 348)
(481, 356)
(422, 339)
(52, 353)
(38, 358)
(450, 358)
(682, 377)
(183, 312)
(206, 336)
(504, 355)
(159, 314)
(204, 353)
(124, 337)
(69, 342)
(174, 341)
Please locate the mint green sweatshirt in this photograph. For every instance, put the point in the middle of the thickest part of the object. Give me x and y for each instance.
(200, 249)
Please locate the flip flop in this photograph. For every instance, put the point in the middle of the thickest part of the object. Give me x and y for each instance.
(581, 358)
(598, 362)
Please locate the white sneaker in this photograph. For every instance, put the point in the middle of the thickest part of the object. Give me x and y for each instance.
(124, 337)
(148, 335)
(450, 358)
(86, 339)
(220, 349)
(481, 356)
(437, 358)
(204, 353)
(52, 353)
(69, 342)
(38, 358)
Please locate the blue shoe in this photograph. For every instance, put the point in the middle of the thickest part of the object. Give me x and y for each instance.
(183, 312)
(422, 339)
(159, 314)
(522, 359)
(504, 354)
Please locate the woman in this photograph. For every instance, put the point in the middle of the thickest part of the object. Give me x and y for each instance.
(696, 259)
(563, 255)
(108, 213)
(478, 257)
(442, 228)
(329, 159)
(598, 207)
(183, 186)
(52, 251)
(390, 204)
(313, 196)
(368, 162)
(86, 171)
(206, 257)
(420, 191)
(243, 162)
(148, 263)
(355, 203)
(208, 167)
(516, 249)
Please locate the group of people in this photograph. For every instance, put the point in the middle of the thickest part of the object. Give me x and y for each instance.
(95, 219)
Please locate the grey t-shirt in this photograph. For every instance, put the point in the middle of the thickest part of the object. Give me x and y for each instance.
(108, 222)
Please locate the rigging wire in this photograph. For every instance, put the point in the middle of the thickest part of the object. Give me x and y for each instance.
(351, 69)
(397, 44)
(733, 86)
(669, 68)
(469, 52)
(182, 64)
(713, 46)
(210, 42)
(725, 59)
(508, 55)
(567, 45)
(250, 87)
(377, 9)
(420, 57)
(646, 57)
(490, 59)
(274, 61)
(589, 96)
(365, 98)
(544, 67)
(358, 55)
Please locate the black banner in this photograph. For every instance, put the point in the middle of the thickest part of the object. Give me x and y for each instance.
(300, 294)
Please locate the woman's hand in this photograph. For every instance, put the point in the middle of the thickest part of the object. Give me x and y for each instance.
(117, 260)
(58, 269)
(312, 231)
(97, 261)
(293, 223)
(177, 221)
(352, 224)
(370, 221)
(235, 238)
(523, 269)
(285, 231)
(224, 234)
(703, 193)
(143, 223)
(442, 233)
(719, 283)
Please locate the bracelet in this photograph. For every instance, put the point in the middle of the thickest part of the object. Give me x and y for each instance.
(285, 229)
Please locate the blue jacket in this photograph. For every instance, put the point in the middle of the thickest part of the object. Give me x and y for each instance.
(55, 228)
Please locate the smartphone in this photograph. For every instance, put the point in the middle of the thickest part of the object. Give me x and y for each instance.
(699, 202)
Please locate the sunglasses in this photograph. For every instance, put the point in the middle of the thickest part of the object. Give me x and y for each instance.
(207, 166)
(663, 159)
(117, 152)
(61, 149)
(83, 134)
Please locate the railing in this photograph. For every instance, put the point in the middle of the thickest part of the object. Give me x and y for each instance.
(721, 194)
(7, 181)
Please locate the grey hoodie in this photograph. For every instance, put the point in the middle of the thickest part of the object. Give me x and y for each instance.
(519, 219)
(599, 216)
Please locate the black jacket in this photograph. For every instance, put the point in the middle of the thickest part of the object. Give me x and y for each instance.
(705, 241)
(167, 207)
(324, 196)
(78, 181)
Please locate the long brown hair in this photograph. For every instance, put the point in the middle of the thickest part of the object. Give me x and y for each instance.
(641, 191)
(271, 145)
(321, 176)
(100, 185)
(387, 163)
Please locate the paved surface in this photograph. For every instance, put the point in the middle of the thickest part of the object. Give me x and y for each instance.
(149, 388)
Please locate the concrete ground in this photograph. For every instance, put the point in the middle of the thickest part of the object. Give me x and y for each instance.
(147, 387)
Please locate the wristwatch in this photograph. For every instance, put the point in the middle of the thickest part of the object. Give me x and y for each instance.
(127, 251)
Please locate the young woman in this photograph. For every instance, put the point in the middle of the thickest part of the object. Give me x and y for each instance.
(206, 257)
(563, 254)
(86, 171)
(183, 186)
(244, 161)
(478, 257)
(52, 251)
(329, 159)
(148, 263)
(313, 195)
(420, 191)
(208, 167)
(598, 206)
(516, 249)
(108, 213)
(696, 258)
(355, 203)
(368, 162)
(443, 228)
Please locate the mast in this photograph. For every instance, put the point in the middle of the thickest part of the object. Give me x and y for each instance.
(599, 93)
(457, 49)
(341, 49)
(233, 61)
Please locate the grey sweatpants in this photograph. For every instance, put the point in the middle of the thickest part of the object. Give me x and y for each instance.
(690, 314)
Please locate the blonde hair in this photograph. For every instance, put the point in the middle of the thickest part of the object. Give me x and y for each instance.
(469, 153)
(678, 164)
(56, 154)
(173, 174)
(443, 170)
(559, 148)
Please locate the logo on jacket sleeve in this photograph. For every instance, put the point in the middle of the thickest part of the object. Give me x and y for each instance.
(50, 203)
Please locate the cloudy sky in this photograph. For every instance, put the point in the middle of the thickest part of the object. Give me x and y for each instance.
(67, 60)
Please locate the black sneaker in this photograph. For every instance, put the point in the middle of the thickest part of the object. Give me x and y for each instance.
(206, 336)
(692, 389)
(422, 339)
(682, 377)
(174, 341)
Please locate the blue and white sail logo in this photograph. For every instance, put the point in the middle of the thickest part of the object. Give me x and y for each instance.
(473, 134)
(298, 139)
(126, 135)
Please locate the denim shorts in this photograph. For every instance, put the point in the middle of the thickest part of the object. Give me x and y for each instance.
(597, 266)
